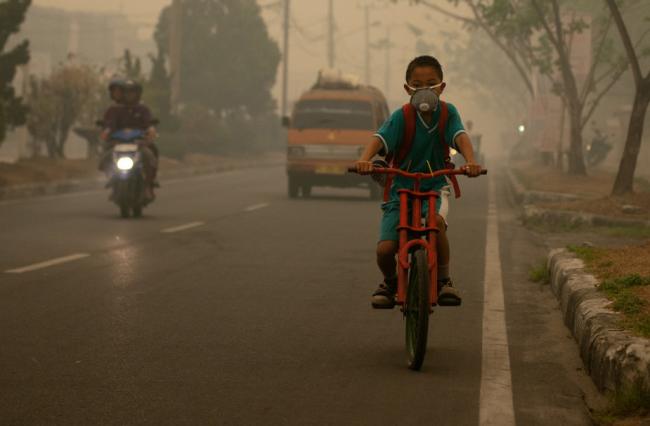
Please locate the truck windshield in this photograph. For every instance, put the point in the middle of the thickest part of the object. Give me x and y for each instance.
(333, 114)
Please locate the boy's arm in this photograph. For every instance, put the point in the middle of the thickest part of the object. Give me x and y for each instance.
(466, 149)
(364, 165)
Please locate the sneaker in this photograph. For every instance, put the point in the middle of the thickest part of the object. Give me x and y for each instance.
(384, 296)
(447, 294)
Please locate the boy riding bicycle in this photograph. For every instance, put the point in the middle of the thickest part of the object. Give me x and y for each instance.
(417, 138)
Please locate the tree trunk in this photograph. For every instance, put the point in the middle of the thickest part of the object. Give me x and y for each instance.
(624, 182)
(576, 157)
(50, 144)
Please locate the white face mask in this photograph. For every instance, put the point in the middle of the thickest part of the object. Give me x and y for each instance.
(425, 99)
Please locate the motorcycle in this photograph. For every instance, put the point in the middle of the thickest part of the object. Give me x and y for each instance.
(596, 152)
(127, 173)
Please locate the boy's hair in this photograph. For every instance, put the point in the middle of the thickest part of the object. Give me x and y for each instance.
(424, 61)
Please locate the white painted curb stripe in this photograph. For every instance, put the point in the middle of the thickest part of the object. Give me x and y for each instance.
(256, 207)
(48, 263)
(182, 227)
(496, 406)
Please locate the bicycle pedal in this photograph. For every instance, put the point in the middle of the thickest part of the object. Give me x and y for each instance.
(450, 302)
(377, 306)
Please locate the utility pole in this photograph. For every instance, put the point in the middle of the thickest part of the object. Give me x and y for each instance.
(387, 47)
(285, 59)
(175, 50)
(330, 35)
(367, 58)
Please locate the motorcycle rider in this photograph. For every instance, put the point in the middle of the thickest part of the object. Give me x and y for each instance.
(130, 113)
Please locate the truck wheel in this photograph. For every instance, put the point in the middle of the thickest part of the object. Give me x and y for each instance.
(293, 187)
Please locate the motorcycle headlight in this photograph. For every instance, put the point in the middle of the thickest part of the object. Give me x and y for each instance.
(125, 163)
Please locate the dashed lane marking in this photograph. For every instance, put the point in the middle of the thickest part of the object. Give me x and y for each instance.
(182, 227)
(48, 263)
(256, 207)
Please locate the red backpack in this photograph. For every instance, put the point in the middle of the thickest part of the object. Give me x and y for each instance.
(410, 117)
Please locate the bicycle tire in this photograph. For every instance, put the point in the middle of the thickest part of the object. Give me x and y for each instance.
(417, 310)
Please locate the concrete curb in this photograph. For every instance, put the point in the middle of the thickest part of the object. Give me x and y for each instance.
(526, 196)
(532, 213)
(614, 358)
(75, 185)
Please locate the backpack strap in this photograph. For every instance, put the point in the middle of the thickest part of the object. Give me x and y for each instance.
(442, 127)
(408, 136)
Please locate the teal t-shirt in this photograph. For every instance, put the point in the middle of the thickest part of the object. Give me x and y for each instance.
(426, 147)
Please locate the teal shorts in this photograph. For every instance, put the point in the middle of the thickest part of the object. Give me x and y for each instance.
(390, 218)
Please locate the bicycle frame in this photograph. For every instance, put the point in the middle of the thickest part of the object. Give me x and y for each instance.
(413, 225)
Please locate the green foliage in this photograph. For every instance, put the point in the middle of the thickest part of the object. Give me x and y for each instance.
(224, 41)
(625, 299)
(72, 93)
(586, 253)
(540, 273)
(131, 67)
(157, 92)
(12, 110)
(630, 400)
(228, 67)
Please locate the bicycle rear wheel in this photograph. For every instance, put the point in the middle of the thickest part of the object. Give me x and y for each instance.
(417, 310)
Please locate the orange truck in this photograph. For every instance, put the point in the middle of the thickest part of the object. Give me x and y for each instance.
(328, 130)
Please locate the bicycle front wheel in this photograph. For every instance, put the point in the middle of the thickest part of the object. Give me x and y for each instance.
(417, 310)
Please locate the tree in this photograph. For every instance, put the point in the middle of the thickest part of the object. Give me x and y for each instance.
(553, 56)
(131, 67)
(224, 41)
(536, 34)
(157, 90)
(12, 109)
(57, 103)
(624, 182)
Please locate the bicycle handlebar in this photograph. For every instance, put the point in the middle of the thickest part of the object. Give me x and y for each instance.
(419, 175)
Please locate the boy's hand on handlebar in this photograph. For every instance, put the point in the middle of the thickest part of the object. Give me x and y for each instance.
(364, 167)
(472, 169)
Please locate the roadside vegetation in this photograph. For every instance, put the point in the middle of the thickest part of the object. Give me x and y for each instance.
(630, 406)
(624, 274)
(540, 273)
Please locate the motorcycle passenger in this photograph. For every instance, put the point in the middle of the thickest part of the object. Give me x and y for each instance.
(132, 114)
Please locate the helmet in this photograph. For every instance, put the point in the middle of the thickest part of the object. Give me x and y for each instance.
(115, 83)
(132, 86)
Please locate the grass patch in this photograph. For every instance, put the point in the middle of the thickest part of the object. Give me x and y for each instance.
(629, 401)
(641, 232)
(586, 253)
(540, 273)
(624, 292)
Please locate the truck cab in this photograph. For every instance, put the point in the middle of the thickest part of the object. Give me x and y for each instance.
(329, 128)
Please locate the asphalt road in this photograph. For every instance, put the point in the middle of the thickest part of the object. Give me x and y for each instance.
(228, 303)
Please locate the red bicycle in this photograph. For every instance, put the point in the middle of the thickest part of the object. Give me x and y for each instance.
(417, 258)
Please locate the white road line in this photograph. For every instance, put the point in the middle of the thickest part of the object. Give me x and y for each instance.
(48, 263)
(182, 227)
(496, 406)
(256, 207)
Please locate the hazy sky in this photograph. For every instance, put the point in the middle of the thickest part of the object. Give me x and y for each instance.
(308, 51)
